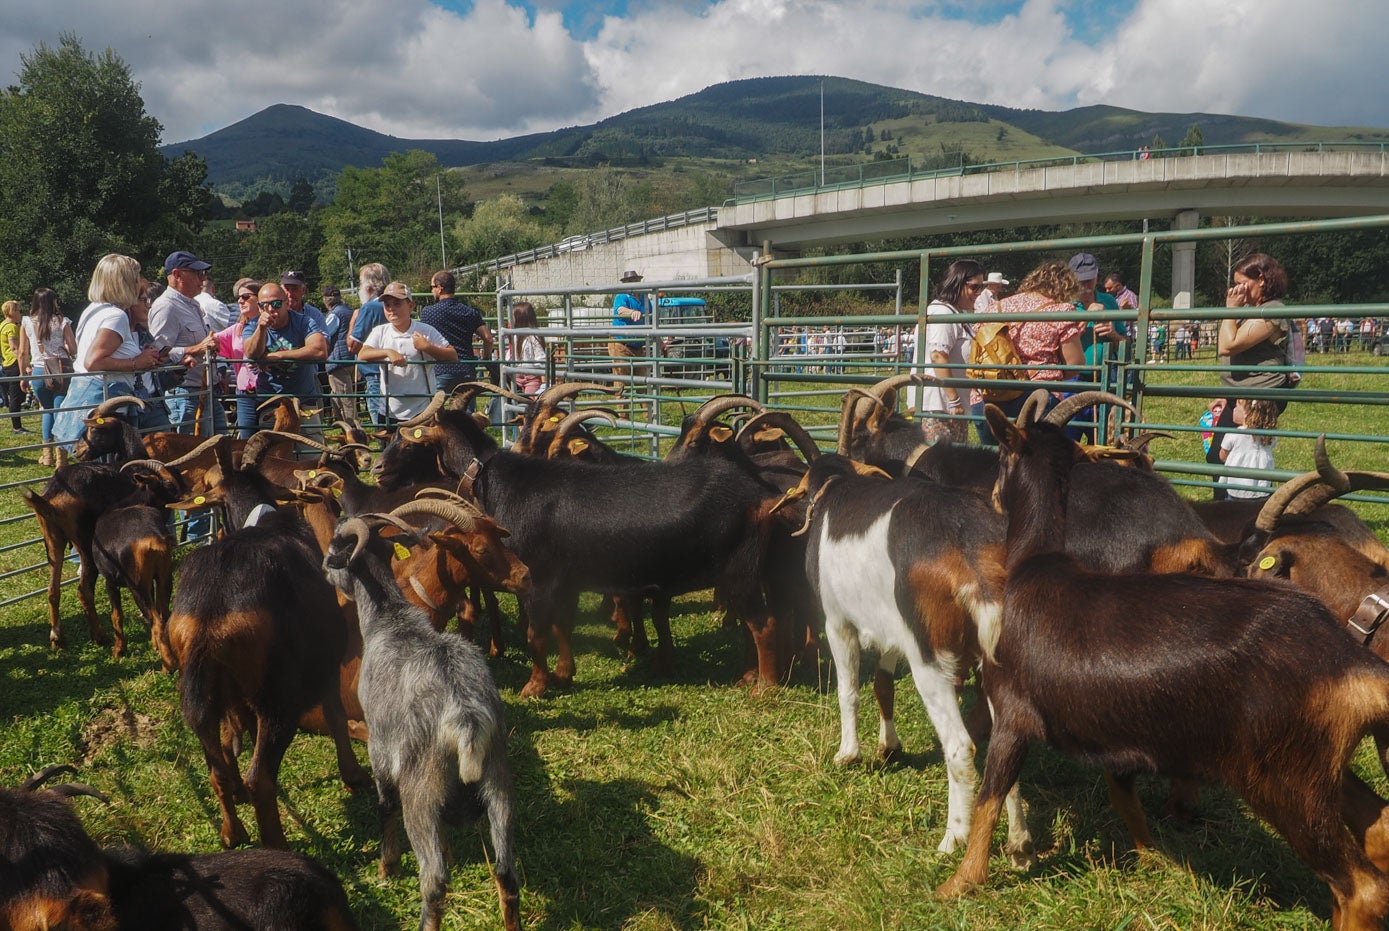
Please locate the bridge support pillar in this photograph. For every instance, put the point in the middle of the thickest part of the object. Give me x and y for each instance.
(1184, 261)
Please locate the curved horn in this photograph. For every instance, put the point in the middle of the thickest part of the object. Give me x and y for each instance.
(442, 494)
(154, 467)
(1310, 490)
(275, 399)
(347, 428)
(74, 789)
(358, 529)
(194, 453)
(43, 775)
(471, 389)
(573, 420)
(428, 414)
(108, 407)
(1062, 413)
(1032, 407)
(886, 390)
(724, 402)
(798, 434)
(461, 516)
(847, 409)
(1139, 442)
(257, 446)
(556, 393)
(1328, 472)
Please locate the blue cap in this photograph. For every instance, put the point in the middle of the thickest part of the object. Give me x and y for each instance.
(184, 260)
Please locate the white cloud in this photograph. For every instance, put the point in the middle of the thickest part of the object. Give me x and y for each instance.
(412, 69)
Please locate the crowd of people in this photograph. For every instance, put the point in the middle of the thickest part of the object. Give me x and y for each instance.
(175, 346)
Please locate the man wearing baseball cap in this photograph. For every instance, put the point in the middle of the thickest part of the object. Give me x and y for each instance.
(176, 323)
(296, 285)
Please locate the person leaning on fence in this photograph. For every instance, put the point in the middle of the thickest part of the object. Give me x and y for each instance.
(342, 372)
(461, 325)
(46, 348)
(629, 310)
(109, 357)
(409, 347)
(1257, 342)
(286, 348)
(176, 322)
(528, 350)
(231, 345)
(947, 346)
(1050, 288)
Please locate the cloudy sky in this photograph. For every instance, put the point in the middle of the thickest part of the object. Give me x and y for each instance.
(489, 69)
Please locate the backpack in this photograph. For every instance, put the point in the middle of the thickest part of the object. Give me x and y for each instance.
(992, 346)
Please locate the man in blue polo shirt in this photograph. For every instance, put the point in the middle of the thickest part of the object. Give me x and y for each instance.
(286, 347)
(632, 310)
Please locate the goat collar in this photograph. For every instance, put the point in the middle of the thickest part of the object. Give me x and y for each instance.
(424, 596)
(1373, 611)
(465, 484)
(259, 512)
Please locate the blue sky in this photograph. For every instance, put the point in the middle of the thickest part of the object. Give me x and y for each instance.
(489, 69)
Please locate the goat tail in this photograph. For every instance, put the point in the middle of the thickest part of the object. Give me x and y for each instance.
(199, 688)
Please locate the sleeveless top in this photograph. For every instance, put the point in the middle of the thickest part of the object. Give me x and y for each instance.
(1270, 352)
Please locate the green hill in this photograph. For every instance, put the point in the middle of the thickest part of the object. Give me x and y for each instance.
(774, 120)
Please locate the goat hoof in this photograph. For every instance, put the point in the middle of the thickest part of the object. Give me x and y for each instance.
(887, 754)
(236, 837)
(57, 642)
(1022, 856)
(534, 689)
(384, 869)
(359, 781)
(846, 759)
(953, 888)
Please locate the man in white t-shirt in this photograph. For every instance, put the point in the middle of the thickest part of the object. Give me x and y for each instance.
(399, 342)
(987, 301)
(217, 315)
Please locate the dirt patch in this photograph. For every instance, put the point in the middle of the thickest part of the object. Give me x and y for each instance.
(112, 726)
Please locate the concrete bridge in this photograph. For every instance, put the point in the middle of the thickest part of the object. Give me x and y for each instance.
(1339, 182)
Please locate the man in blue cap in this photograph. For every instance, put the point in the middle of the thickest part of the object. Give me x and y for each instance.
(176, 323)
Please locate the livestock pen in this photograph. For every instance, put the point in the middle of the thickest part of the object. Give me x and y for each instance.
(659, 803)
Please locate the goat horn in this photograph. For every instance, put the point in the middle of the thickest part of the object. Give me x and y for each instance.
(153, 466)
(276, 399)
(377, 518)
(573, 420)
(108, 407)
(556, 393)
(428, 414)
(886, 390)
(441, 494)
(74, 789)
(347, 428)
(1032, 407)
(798, 434)
(1310, 490)
(257, 446)
(1328, 472)
(43, 775)
(1062, 413)
(194, 453)
(360, 531)
(461, 516)
(724, 402)
(1139, 443)
(847, 408)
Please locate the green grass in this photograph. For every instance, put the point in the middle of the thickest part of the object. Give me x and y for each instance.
(647, 803)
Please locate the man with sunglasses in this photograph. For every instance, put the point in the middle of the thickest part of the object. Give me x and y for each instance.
(176, 323)
(286, 348)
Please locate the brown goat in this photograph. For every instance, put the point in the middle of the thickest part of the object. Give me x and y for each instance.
(1225, 680)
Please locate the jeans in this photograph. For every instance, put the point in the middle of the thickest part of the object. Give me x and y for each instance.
(247, 419)
(49, 401)
(376, 404)
(182, 407)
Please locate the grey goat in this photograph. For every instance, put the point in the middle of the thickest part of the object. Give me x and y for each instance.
(438, 731)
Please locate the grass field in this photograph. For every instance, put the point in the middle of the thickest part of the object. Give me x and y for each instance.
(684, 803)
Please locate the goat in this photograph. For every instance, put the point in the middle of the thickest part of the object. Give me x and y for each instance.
(133, 548)
(105, 433)
(258, 635)
(1243, 682)
(438, 730)
(915, 570)
(53, 874)
(662, 529)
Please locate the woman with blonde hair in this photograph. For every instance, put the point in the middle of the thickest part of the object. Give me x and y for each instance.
(1051, 287)
(9, 356)
(108, 357)
(45, 356)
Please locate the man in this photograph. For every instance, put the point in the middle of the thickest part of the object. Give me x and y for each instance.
(296, 285)
(342, 375)
(371, 278)
(1114, 286)
(1097, 337)
(285, 347)
(629, 310)
(216, 315)
(987, 301)
(176, 323)
(461, 325)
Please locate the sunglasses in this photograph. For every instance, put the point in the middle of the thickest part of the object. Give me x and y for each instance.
(271, 305)
(245, 297)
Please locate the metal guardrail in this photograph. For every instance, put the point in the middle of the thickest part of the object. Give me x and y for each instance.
(902, 169)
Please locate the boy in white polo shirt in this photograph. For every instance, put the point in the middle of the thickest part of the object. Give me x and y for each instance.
(402, 340)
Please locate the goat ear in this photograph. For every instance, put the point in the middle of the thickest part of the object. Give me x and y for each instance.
(1278, 564)
(576, 446)
(720, 434)
(207, 499)
(768, 434)
(1005, 431)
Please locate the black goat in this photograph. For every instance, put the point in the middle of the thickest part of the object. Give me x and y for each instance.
(438, 730)
(1227, 680)
(259, 637)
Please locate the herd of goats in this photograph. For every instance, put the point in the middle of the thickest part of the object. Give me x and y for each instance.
(1225, 642)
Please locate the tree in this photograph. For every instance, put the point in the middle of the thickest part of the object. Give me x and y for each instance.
(1158, 143)
(391, 215)
(81, 171)
(500, 227)
(1193, 138)
(284, 241)
(301, 196)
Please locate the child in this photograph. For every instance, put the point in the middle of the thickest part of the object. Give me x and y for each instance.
(1247, 450)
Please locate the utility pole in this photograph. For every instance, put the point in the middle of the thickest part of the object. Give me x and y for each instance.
(822, 133)
(439, 193)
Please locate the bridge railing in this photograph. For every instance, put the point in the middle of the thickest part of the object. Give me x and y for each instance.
(903, 169)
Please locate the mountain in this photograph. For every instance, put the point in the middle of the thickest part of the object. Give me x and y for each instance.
(775, 118)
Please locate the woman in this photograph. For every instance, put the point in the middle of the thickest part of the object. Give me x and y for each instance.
(45, 356)
(1253, 341)
(527, 350)
(401, 341)
(947, 346)
(9, 359)
(230, 345)
(108, 357)
(1050, 288)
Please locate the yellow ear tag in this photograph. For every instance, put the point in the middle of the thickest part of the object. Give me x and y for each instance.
(555, 419)
(401, 552)
(100, 420)
(791, 489)
(200, 500)
(1268, 562)
(312, 473)
(337, 491)
(418, 433)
